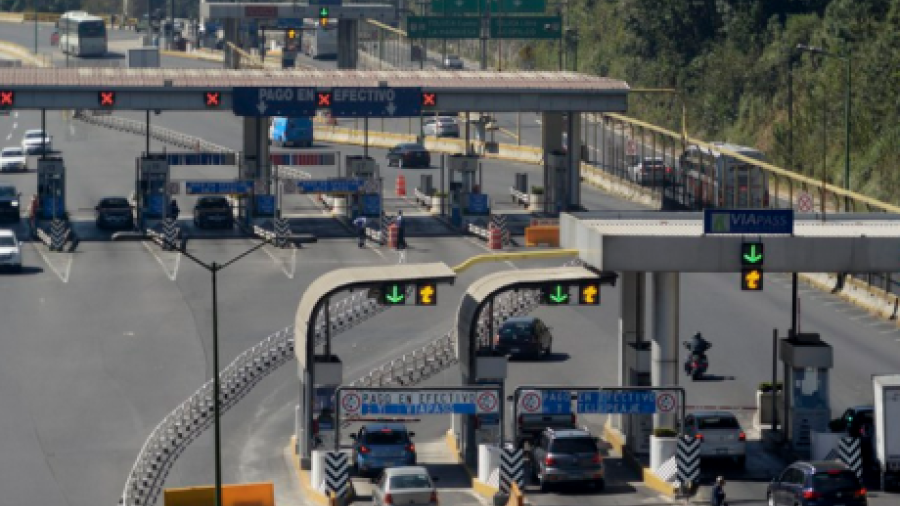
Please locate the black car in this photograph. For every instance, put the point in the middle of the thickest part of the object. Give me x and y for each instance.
(9, 203)
(828, 483)
(524, 336)
(114, 212)
(213, 212)
(409, 155)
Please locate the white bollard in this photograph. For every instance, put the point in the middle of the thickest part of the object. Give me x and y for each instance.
(488, 461)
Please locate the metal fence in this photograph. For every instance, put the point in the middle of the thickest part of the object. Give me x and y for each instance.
(140, 128)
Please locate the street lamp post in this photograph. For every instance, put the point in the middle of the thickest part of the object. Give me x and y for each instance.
(847, 92)
(34, 10)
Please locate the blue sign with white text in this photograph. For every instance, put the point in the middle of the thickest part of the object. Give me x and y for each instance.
(478, 203)
(289, 22)
(419, 409)
(371, 205)
(218, 187)
(748, 221)
(265, 205)
(200, 158)
(330, 185)
(556, 402)
(273, 101)
(617, 401)
(376, 102)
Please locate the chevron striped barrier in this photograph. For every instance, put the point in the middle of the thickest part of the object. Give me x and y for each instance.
(337, 473)
(512, 468)
(687, 459)
(499, 221)
(58, 234)
(282, 232)
(171, 232)
(850, 453)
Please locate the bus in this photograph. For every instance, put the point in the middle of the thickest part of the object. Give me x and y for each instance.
(296, 132)
(714, 179)
(319, 41)
(81, 34)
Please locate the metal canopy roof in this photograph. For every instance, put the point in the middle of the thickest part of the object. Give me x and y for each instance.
(182, 89)
(675, 242)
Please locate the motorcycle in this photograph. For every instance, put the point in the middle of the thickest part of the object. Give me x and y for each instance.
(695, 366)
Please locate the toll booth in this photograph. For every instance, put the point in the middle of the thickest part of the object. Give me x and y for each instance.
(152, 193)
(368, 201)
(806, 360)
(557, 170)
(465, 180)
(51, 188)
(329, 374)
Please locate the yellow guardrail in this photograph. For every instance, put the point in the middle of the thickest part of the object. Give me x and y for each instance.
(50, 17)
(379, 24)
(523, 255)
(11, 16)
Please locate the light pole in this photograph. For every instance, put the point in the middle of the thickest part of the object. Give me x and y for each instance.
(847, 91)
(34, 10)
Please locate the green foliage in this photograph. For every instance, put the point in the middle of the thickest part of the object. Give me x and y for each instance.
(729, 59)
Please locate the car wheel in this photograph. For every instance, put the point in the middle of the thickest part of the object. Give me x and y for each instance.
(599, 485)
(742, 461)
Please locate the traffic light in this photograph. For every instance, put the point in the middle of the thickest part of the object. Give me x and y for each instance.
(429, 99)
(292, 34)
(751, 279)
(213, 98)
(426, 293)
(323, 99)
(752, 258)
(323, 16)
(555, 294)
(589, 294)
(393, 294)
(752, 253)
(7, 98)
(107, 98)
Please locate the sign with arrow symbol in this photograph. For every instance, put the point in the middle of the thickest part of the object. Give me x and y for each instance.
(752, 253)
(379, 102)
(393, 294)
(555, 294)
(274, 101)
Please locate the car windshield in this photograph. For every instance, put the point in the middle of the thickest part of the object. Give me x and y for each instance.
(573, 445)
(7, 241)
(115, 203)
(523, 329)
(7, 191)
(834, 481)
(410, 481)
(386, 437)
(34, 135)
(12, 152)
(718, 422)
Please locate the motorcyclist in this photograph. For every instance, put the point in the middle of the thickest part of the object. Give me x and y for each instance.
(698, 345)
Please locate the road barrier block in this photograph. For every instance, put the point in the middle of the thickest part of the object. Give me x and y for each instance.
(547, 235)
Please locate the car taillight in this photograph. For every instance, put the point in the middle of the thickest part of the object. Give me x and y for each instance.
(861, 492)
(742, 437)
(411, 448)
(364, 449)
(699, 436)
(811, 494)
(388, 499)
(434, 497)
(595, 459)
(550, 461)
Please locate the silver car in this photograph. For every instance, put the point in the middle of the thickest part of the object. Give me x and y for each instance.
(10, 251)
(561, 456)
(721, 435)
(441, 127)
(406, 486)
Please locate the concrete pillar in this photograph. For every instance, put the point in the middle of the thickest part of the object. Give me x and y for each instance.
(551, 140)
(231, 33)
(573, 146)
(631, 330)
(256, 149)
(664, 353)
(348, 43)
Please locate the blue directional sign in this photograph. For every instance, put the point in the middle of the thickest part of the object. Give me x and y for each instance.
(265, 205)
(556, 402)
(201, 158)
(289, 23)
(617, 401)
(337, 3)
(478, 203)
(376, 102)
(371, 205)
(274, 101)
(218, 187)
(419, 402)
(330, 185)
(748, 221)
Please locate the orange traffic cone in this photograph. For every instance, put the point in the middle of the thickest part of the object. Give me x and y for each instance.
(401, 186)
(495, 238)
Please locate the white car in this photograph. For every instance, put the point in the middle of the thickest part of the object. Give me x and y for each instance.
(10, 251)
(453, 62)
(36, 140)
(441, 127)
(12, 160)
(721, 435)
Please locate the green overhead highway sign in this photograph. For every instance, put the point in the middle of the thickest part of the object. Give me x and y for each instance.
(530, 27)
(497, 6)
(431, 27)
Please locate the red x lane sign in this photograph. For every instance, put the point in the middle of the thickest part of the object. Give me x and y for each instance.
(213, 98)
(429, 99)
(324, 99)
(107, 98)
(7, 98)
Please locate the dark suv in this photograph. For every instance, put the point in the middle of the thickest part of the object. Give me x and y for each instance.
(566, 456)
(524, 336)
(828, 483)
(213, 212)
(114, 212)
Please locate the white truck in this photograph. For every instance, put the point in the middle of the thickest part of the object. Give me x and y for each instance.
(887, 428)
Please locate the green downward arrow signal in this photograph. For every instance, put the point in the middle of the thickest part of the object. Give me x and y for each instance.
(395, 295)
(753, 257)
(559, 297)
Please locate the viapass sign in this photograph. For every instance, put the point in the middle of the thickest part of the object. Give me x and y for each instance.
(748, 221)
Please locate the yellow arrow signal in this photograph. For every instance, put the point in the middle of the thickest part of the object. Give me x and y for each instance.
(752, 279)
(427, 294)
(590, 295)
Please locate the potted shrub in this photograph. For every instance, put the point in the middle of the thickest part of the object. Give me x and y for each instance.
(663, 443)
(764, 392)
(536, 198)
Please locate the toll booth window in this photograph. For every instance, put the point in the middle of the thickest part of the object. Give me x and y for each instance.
(386, 438)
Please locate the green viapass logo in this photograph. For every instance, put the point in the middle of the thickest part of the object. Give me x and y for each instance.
(721, 222)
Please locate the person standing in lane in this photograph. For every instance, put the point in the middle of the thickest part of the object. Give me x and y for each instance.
(401, 230)
(360, 224)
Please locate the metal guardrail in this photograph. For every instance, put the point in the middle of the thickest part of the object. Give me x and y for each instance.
(292, 173)
(520, 197)
(171, 436)
(159, 133)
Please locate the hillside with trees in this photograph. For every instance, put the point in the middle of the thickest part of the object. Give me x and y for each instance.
(730, 60)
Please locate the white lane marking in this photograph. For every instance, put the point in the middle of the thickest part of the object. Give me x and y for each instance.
(171, 274)
(16, 114)
(66, 271)
(282, 264)
(489, 250)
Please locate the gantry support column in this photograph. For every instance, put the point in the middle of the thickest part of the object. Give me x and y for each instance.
(573, 147)
(664, 354)
(231, 32)
(631, 333)
(551, 144)
(348, 43)
(255, 156)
